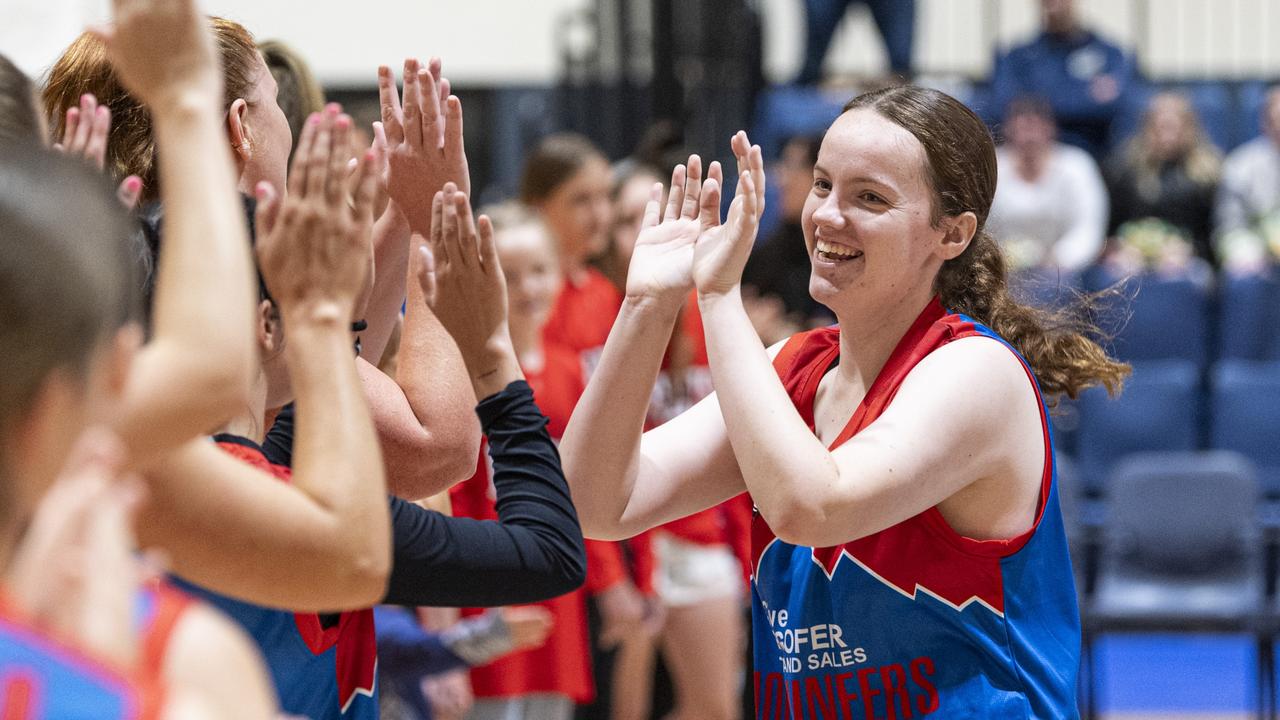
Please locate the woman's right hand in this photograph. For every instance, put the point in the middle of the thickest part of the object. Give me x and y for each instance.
(163, 53)
(662, 263)
(465, 288)
(313, 247)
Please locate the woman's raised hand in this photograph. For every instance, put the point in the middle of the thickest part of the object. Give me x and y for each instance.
(87, 128)
(424, 138)
(464, 285)
(313, 247)
(662, 263)
(721, 251)
(162, 52)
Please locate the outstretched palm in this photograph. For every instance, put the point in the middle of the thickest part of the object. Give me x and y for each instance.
(721, 251)
(662, 262)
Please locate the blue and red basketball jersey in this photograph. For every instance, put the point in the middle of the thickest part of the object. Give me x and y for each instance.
(323, 666)
(915, 620)
(42, 679)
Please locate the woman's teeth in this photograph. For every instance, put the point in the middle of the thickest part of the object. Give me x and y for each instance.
(831, 251)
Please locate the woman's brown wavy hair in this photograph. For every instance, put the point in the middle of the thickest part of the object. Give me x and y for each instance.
(131, 146)
(1057, 343)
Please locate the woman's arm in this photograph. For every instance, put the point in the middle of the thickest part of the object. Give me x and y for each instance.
(938, 438)
(624, 484)
(424, 416)
(195, 372)
(319, 543)
(534, 550)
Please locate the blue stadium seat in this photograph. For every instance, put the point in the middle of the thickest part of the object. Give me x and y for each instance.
(1244, 404)
(1156, 318)
(1181, 551)
(1158, 410)
(1252, 96)
(789, 110)
(1215, 104)
(1045, 287)
(1130, 109)
(1249, 319)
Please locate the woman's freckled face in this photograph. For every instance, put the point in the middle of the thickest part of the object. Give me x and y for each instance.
(868, 220)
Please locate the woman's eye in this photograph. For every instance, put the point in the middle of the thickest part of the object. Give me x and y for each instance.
(821, 184)
(871, 197)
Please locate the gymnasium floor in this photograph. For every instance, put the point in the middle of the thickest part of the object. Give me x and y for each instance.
(1176, 677)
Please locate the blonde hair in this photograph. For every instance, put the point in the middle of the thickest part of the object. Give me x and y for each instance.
(1201, 161)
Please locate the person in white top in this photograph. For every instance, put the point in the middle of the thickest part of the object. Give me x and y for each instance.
(1249, 193)
(1050, 207)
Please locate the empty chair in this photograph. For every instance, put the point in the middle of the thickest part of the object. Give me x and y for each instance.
(1181, 550)
(1158, 410)
(1249, 319)
(1155, 318)
(1244, 412)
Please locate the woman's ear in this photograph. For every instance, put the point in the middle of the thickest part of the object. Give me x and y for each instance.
(960, 230)
(270, 332)
(238, 130)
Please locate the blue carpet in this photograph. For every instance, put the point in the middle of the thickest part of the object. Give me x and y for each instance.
(1176, 673)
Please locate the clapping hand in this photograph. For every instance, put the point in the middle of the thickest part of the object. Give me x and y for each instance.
(464, 285)
(662, 263)
(314, 245)
(721, 252)
(424, 140)
(85, 134)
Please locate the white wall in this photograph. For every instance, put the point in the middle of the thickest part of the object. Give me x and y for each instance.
(482, 41)
(512, 41)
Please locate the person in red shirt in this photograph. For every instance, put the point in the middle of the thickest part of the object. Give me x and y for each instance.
(544, 682)
(566, 182)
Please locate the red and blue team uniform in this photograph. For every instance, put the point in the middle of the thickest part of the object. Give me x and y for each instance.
(322, 666)
(42, 679)
(915, 620)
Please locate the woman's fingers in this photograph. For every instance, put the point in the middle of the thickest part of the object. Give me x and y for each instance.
(675, 195)
(412, 104)
(437, 228)
(95, 150)
(364, 186)
(334, 187)
(427, 273)
(692, 187)
(268, 208)
(709, 204)
(488, 246)
(653, 208)
(129, 191)
(389, 100)
(318, 163)
(297, 180)
(452, 228)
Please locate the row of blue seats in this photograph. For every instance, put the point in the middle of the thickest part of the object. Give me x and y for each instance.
(1166, 406)
(1154, 318)
(1230, 111)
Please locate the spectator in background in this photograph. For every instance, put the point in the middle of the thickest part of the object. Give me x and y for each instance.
(895, 19)
(778, 271)
(1169, 171)
(1083, 76)
(1248, 204)
(297, 92)
(1050, 207)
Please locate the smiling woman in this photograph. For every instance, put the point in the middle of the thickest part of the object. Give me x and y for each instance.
(911, 440)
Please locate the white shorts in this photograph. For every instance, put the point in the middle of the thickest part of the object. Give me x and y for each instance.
(688, 573)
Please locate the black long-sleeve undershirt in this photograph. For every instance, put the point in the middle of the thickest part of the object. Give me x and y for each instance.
(534, 550)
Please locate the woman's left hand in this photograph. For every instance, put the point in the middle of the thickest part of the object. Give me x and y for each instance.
(721, 251)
